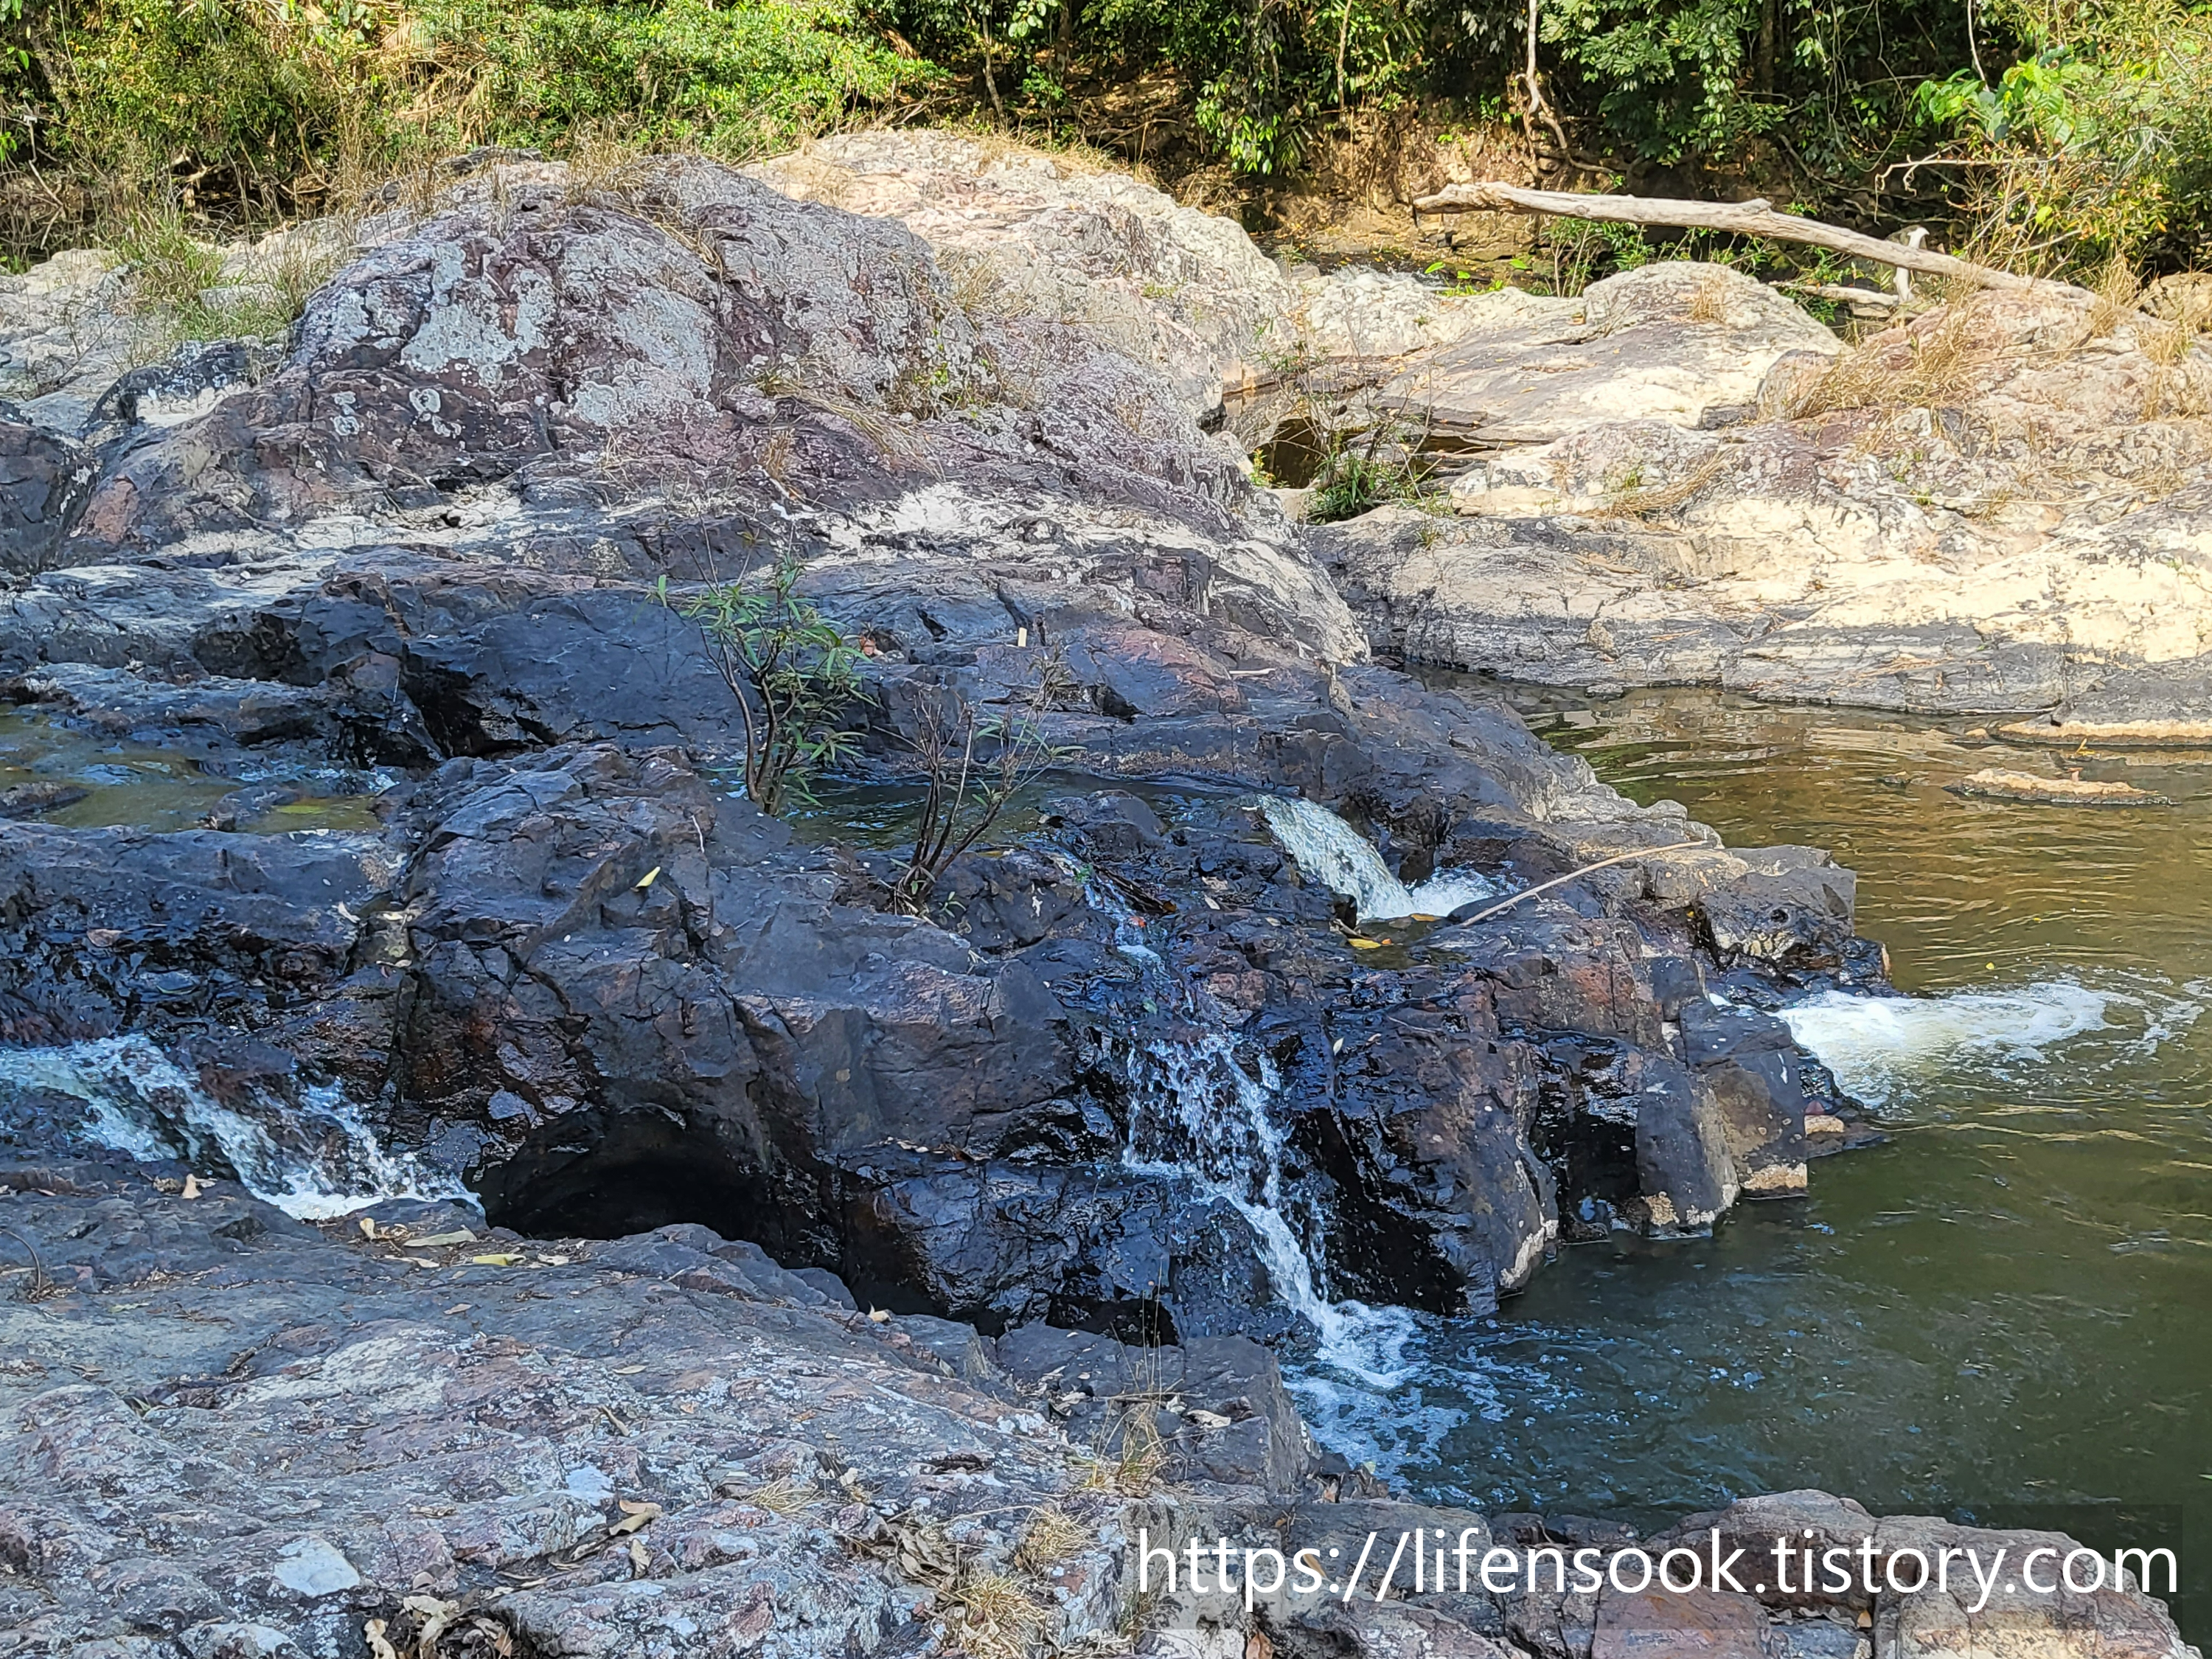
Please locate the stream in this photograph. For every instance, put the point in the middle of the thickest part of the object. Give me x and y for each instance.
(1998, 1317)
(1994, 1317)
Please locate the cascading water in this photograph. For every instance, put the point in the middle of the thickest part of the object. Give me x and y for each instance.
(1199, 1115)
(306, 1151)
(1330, 851)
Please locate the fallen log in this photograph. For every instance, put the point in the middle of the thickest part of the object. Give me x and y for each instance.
(1754, 218)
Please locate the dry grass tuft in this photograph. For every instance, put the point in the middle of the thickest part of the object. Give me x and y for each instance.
(1129, 1458)
(1052, 1538)
(603, 168)
(1636, 500)
(997, 1617)
(1933, 365)
(2118, 290)
(1708, 304)
(786, 1496)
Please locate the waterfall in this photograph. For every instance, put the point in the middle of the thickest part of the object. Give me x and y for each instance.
(1198, 1115)
(1330, 851)
(303, 1149)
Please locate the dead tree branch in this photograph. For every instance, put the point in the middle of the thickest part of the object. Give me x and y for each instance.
(1754, 218)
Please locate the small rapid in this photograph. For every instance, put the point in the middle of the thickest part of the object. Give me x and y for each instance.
(303, 1147)
(1889, 1050)
(1199, 1115)
(1330, 851)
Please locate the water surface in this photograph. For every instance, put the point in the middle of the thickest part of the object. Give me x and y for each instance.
(2002, 1314)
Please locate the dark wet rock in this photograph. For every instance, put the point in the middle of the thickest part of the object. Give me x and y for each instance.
(1750, 1062)
(1214, 1408)
(29, 801)
(44, 480)
(1112, 821)
(1791, 906)
(1687, 1176)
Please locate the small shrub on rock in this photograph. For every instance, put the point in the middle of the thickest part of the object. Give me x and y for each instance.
(794, 677)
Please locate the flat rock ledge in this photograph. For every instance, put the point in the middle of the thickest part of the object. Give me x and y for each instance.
(226, 1434)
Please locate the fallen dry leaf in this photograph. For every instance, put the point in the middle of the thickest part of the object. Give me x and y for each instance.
(496, 1259)
(633, 1516)
(647, 879)
(879, 1316)
(378, 1647)
(368, 1227)
(191, 1186)
(628, 1371)
(637, 1556)
(1208, 1419)
(458, 1236)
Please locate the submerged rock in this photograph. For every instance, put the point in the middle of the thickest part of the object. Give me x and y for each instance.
(1997, 783)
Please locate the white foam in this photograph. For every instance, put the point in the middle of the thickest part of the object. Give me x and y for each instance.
(1878, 1045)
(1330, 851)
(308, 1153)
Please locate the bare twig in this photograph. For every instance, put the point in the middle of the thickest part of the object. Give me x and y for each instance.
(43, 1284)
(1754, 218)
(1500, 908)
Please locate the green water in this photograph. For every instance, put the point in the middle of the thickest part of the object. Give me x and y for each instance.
(2001, 1316)
(145, 786)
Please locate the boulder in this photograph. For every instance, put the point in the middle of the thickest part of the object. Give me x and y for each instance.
(45, 482)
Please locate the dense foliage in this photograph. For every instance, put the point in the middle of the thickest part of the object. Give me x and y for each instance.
(2070, 129)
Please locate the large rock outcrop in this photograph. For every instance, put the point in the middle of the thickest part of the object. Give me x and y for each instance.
(567, 969)
(1999, 507)
(225, 1434)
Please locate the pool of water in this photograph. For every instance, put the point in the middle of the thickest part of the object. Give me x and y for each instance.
(2005, 1315)
(51, 772)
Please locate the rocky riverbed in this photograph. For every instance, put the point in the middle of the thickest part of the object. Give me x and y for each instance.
(460, 1225)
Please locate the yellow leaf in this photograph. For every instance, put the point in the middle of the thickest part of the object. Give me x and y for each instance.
(496, 1259)
(647, 879)
(367, 1228)
(458, 1236)
(1418, 917)
(1359, 944)
(879, 1316)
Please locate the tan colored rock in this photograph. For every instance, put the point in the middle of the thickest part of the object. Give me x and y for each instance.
(2111, 734)
(1183, 290)
(1683, 343)
(2002, 785)
(1986, 512)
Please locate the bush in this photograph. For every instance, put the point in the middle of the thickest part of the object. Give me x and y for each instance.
(264, 106)
(2096, 143)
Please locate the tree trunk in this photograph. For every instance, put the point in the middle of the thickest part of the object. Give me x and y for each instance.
(1737, 218)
